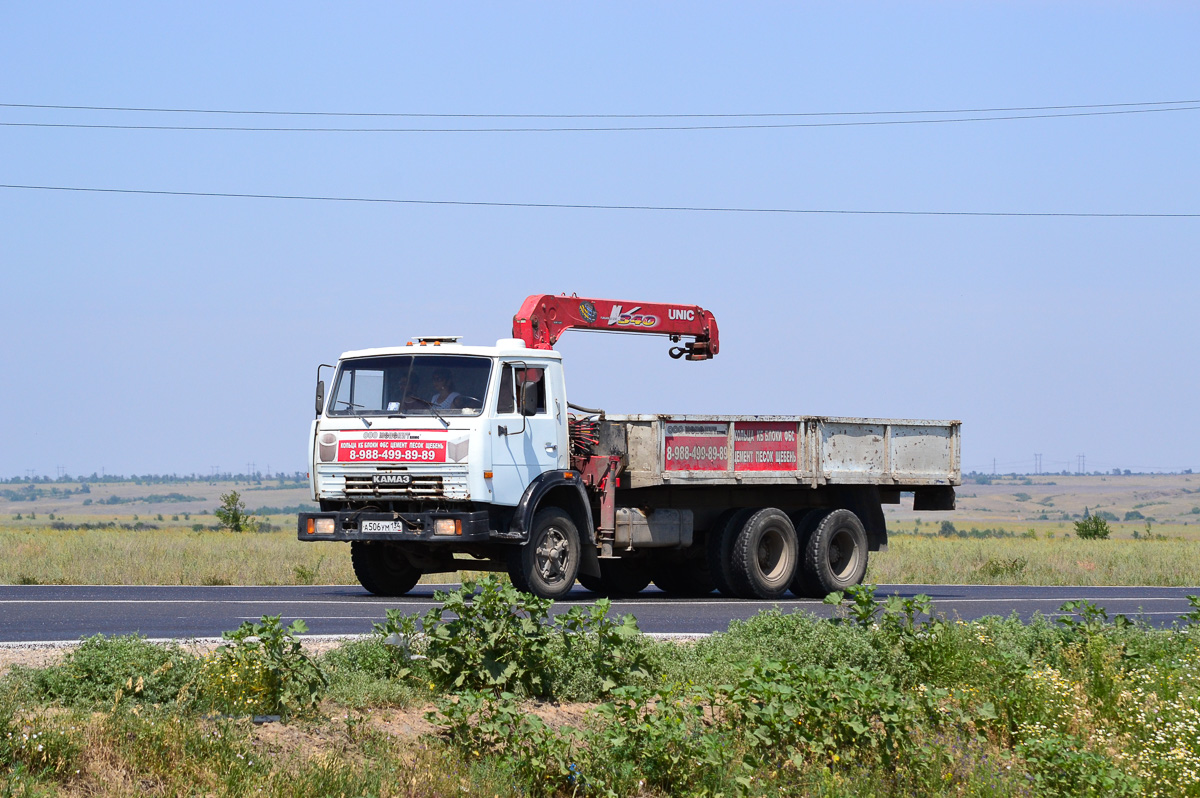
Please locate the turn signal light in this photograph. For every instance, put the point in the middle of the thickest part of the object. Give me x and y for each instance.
(487, 474)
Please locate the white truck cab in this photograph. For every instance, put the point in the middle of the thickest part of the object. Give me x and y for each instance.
(438, 444)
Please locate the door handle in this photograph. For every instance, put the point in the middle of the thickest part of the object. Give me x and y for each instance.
(551, 447)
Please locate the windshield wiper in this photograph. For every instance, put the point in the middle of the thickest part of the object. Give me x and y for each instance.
(432, 408)
(352, 406)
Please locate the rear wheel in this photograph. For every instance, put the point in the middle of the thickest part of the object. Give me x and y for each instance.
(764, 554)
(803, 585)
(548, 563)
(382, 568)
(720, 548)
(835, 556)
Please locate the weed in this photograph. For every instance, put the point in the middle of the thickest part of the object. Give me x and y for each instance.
(599, 651)
(306, 575)
(1003, 567)
(263, 670)
(39, 747)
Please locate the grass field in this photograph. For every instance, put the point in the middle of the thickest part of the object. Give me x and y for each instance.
(1005, 538)
(179, 556)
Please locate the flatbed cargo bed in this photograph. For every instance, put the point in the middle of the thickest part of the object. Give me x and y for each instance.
(810, 451)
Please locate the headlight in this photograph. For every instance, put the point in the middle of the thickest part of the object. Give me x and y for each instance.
(321, 526)
(447, 526)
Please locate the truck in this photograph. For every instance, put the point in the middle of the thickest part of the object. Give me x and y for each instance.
(437, 456)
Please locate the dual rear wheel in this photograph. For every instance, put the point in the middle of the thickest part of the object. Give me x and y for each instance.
(761, 554)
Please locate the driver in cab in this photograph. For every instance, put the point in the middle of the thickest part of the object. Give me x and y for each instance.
(444, 396)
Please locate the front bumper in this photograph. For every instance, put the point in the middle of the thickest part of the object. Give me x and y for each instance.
(468, 527)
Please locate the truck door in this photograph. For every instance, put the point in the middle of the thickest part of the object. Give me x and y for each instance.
(524, 446)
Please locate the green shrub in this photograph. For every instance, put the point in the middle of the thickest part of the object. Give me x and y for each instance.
(1062, 765)
(500, 639)
(104, 671)
(596, 653)
(497, 638)
(232, 514)
(770, 635)
(1092, 528)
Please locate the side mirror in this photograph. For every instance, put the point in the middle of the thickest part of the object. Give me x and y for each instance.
(320, 396)
(529, 399)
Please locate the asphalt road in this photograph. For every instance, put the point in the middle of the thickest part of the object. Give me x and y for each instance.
(43, 613)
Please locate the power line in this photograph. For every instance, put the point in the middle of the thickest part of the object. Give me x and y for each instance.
(599, 207)
(621, 129)
(594, 206)
(409, 115)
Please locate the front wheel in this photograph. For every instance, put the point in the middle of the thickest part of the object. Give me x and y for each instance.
(382, 568)
(548, 563)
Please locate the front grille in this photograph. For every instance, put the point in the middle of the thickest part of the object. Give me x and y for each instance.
(421, 487)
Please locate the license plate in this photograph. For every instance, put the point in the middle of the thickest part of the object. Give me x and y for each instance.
(381, 526)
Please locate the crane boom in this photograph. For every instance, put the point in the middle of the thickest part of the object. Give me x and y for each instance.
(543, 318)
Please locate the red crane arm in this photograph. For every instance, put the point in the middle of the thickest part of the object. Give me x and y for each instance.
(543, 318)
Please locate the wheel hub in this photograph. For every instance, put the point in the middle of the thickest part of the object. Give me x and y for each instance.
(552, 555)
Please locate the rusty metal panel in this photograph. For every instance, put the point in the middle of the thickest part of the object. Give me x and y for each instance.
(853, 452)
(921, 451)
(826, 450)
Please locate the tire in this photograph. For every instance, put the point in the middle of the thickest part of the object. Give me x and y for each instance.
(684, 579)
(720, 547)
(805, 521)
(382, 568)
(835, 556)
(764, 555)
(548, 563)
(591, 583)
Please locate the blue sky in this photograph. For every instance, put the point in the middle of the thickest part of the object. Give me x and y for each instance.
(156, 334)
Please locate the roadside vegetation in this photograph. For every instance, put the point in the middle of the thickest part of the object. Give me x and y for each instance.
(498, 696)
(179, 555)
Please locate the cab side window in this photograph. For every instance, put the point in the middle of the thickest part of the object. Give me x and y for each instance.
(511, 379)
(507, 403)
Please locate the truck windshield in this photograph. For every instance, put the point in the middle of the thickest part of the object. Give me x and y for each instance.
(408, 385)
